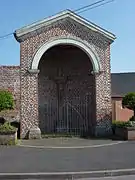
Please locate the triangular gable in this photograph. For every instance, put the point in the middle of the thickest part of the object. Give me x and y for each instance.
(60, 16)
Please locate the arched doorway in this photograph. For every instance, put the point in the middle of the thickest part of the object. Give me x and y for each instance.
(66, 91)
(66, 28)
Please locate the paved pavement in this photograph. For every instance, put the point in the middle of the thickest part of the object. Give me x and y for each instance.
(17, 159)
(106, 178)
(67, 142)
(112, 178)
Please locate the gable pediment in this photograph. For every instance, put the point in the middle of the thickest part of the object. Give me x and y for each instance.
(63, 16)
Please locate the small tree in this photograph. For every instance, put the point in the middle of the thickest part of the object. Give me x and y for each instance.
(6, 100)
(128, 101)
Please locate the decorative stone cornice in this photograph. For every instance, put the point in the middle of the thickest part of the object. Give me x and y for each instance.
(97, 72)
(33, 71)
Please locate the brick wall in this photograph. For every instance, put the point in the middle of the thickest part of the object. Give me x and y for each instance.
(10, 80)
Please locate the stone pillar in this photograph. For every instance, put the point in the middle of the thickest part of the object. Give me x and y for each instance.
(29, 103)
(103, 97)
(103, 107)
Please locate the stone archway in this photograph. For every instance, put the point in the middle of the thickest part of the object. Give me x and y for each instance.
(66, 28)
(89, 50)
(66, 91)
(85, 123)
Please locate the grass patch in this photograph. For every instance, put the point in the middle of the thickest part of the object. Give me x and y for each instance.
(12, 142)
(58, 135)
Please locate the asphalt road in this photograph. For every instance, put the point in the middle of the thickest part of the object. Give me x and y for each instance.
(29, 160)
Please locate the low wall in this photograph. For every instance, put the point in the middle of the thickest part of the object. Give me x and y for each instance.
(10, 80)
(118, 112)
(8, 139)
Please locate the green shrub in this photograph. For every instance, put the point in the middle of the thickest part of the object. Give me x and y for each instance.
(7, 128)
(6, 100)
(121, 124)
(132, 118)
(128, 101)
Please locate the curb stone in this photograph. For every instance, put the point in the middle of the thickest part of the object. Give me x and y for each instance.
(67, 175)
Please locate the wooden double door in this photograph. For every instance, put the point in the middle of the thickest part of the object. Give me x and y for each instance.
(65, 96)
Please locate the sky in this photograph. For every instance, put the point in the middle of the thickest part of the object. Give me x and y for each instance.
(117, 17)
